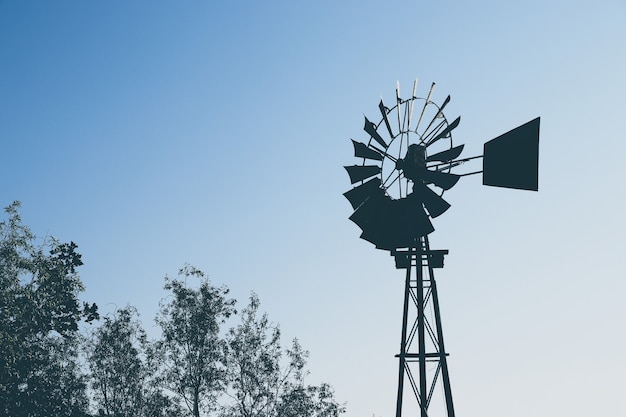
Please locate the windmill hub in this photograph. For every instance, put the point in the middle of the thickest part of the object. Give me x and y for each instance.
(414, 163)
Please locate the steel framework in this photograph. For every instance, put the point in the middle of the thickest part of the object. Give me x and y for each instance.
(422, 357)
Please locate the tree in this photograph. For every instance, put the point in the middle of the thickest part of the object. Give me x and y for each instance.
(121, 378)
(40, 372)
(259, 385)
(39, 316)
(117, 371)
(300, 400)
(253, 358)
(190, 349)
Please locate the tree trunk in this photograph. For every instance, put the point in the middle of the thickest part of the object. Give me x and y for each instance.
(196, 400)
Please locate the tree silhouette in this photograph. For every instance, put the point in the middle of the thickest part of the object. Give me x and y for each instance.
(195, 367)
(39, 316)
(260, 383)
(190, 350)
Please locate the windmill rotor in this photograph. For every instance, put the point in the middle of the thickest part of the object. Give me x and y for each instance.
(404, 171)
(406, 163)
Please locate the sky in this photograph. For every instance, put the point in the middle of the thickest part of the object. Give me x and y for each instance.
(155, 134)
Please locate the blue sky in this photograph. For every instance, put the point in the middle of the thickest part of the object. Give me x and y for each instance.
(158, 133)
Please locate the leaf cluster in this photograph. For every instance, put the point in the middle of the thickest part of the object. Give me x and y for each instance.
(39, 317)
(264, 383)
(190, 347)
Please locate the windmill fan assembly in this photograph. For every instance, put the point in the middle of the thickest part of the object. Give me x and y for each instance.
(406, 166)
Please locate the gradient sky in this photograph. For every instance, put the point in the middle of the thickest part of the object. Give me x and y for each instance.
(158, 133)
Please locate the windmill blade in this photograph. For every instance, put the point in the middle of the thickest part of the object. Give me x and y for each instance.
(413, 222)
(369, 214)
(443, 106)
(412, 104)
(384, 110)
(359, 194)
(446, 155)
(362, 151)
(445, 132)
(433, 202)
(378, 229)
(371, 129)
(361, 172)
(399, 224)
(443, 180)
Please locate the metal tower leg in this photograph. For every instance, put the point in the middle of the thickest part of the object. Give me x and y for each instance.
(428, 353)
(402, 355)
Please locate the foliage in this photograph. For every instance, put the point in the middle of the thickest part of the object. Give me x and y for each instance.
(117, 372)
(190, 350)
(198, 364)
(259, 385)
(253, 358)
(39, 316)
(121, 378)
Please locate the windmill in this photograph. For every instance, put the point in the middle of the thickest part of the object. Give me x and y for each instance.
(406, 166)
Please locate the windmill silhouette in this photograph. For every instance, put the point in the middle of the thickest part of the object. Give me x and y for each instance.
(406, 166)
